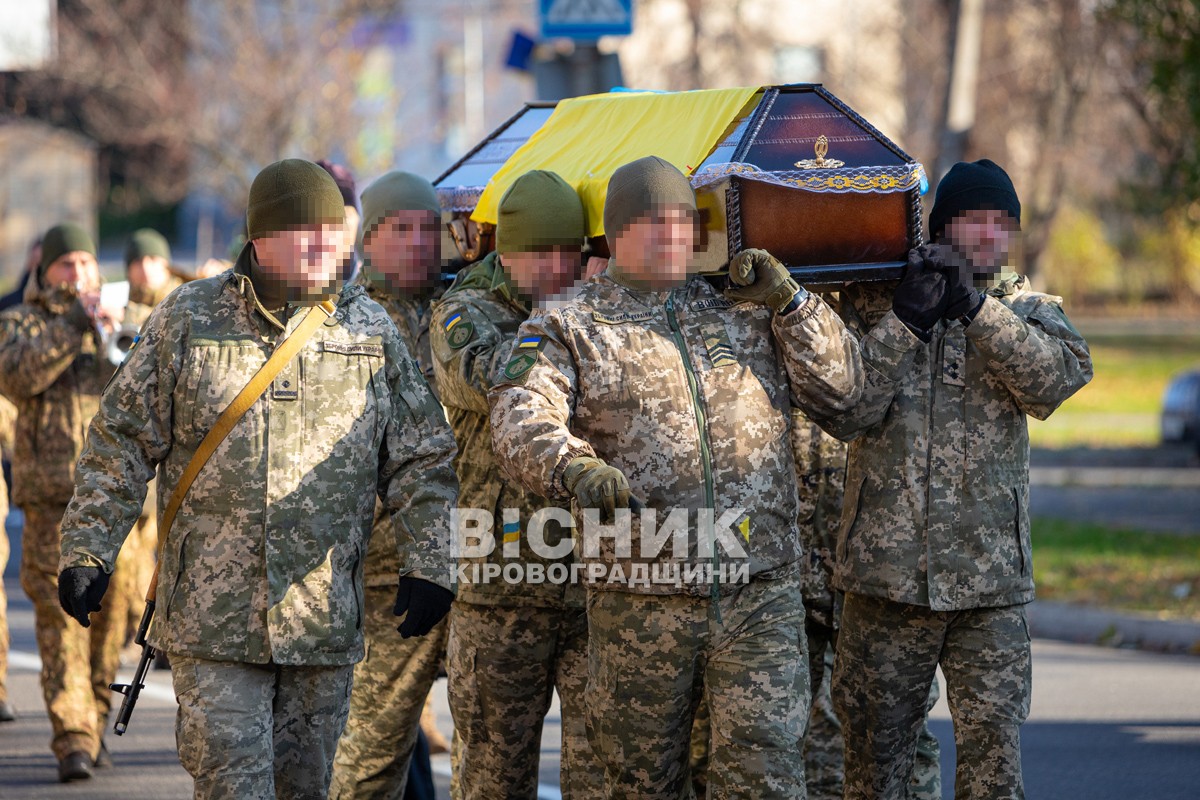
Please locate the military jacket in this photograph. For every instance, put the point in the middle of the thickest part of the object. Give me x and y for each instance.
(474, 326)
(411, 315)
(690, 396)
(937, 487)
(51, 372)
(265, 560)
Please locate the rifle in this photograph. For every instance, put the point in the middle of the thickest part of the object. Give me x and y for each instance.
(132, 690)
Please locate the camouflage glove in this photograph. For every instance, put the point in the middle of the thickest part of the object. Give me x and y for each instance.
(921, 298)
(80, 590)
(424, 602)
(595, 484)
(757, 276)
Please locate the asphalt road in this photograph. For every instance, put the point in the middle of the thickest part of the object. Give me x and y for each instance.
(1106, 725)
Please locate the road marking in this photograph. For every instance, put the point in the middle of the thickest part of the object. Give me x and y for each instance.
(29, 661)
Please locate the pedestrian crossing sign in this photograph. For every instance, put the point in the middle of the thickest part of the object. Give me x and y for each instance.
(585, 20)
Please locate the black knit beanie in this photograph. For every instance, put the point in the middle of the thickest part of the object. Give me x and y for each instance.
(969, 187)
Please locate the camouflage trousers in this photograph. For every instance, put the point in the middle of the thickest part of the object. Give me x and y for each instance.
(390, 687)
(823, 759)
(258, 731)
(824, 763)
(652, 659)
(504, 665)
(886, 656)
(78, 663)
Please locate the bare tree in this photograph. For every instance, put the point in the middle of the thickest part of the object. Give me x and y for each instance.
(202, 94)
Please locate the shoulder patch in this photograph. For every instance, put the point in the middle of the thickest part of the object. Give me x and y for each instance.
(460, 334)
(525, 355)
(459, 330)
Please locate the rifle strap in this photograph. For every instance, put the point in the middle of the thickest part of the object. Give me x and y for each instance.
(225, 423)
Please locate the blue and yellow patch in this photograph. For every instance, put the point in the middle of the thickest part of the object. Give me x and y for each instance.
(512, 532)
(459, 331)
(525, 355)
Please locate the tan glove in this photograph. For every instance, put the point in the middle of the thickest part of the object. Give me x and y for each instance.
(757, 276)
(595, 484)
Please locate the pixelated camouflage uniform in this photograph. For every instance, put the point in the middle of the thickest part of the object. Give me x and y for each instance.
(50, 369)
(934, 550)
(260, 581)
(511, 644)
(690, 397)
(392, 681)
(820, 477)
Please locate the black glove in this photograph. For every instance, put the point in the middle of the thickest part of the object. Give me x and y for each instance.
(963, 299)
(80, 590)
(424, 602)
(921, 298)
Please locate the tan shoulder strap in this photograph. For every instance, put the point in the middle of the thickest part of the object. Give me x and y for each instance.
(249, 394)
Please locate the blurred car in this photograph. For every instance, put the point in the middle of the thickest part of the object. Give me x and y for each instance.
(1181, 409)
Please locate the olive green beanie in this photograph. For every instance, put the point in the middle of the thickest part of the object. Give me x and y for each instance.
(538, 211)
(640, 187)
(291, 194)
(62, 239)
(146, 242)
(396, 191)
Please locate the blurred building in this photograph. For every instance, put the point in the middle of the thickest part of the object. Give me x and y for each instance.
(47, 176)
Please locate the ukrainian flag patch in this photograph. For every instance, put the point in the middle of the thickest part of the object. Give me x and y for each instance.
(512, 532)
(459, 331)
(524, 356)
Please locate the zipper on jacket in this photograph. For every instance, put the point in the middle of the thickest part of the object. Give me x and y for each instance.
(701, 426)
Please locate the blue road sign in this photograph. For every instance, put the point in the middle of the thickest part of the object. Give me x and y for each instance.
(585, 20)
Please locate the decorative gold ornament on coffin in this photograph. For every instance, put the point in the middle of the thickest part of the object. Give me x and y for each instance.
(821, 148)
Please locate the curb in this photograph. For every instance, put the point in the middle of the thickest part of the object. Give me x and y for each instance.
(1107, 477)
(1098, 626)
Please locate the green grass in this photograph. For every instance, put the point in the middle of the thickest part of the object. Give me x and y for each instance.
(1121, 569)
(1121, 406)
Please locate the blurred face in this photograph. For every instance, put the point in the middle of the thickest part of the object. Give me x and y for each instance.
(403, 251)
(655, 250)
(76, 269)
(544, 273)
(306, 261)
(984, 238)
(148, 272)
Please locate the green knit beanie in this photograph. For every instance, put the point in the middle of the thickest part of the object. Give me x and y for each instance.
(146, 242)
(396, 191)
(291, 194)
(62, 239)
(641, 187)
(540, 210)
